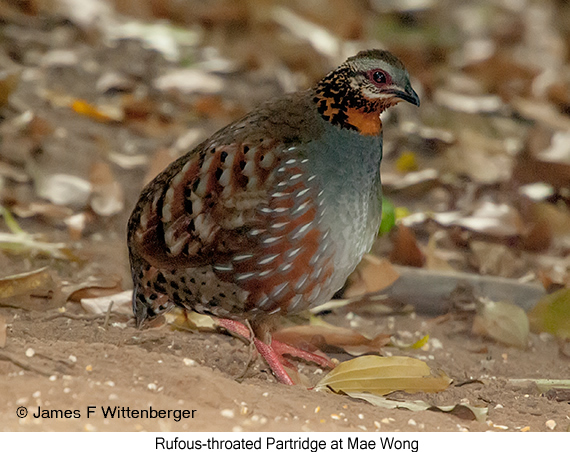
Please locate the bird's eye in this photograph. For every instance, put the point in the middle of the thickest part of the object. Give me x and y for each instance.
(379, 77)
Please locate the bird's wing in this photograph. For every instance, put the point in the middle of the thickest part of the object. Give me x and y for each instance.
(243, 205)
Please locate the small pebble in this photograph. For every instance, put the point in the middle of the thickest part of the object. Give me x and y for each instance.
(435, 343)
(89, 428)
(526, 429)
(89, 368)
(152, 386)
(377, 425)
(36, 394)
(317, 409)
(189, 362)
(412, 422)
(551, 424)
(72, 358)
(52, 378)
(30, 352)
(227, 413)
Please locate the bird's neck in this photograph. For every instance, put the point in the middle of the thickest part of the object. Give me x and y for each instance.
(343, 106)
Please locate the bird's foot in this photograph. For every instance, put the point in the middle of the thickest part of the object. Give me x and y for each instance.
(273, 353)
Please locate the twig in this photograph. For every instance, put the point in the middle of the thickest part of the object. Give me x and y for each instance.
(7, 357)
(55, 360)
(68, 315)
(251, 348)
(108, 314)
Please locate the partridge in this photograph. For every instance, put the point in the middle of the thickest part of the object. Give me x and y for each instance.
(269, 215)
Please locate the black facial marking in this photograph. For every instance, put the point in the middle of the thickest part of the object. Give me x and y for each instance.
(335, 96)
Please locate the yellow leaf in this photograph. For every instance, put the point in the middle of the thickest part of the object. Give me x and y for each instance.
(36, 290)
(552, 314)
(84, 108)
(189, 320)
(407, 162)
(382, 375)
(420, 343)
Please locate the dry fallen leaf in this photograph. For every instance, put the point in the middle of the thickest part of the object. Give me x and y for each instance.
(371, 275)
(323, 334)
(19, 241)
(94, 287)
(63, 189)
(382, 375)
(406, 250)
(462, 410)
(36, 290)
(500, 220)
(3, 327)
(107, 197)
(122, 303)
(502, 321)
(552, 314)
(8, 83)
(184, 320)
(557, 218)
(97, 112)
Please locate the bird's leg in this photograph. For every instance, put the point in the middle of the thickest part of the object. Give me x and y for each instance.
(281, 348)
(265, 350)
(273, 352)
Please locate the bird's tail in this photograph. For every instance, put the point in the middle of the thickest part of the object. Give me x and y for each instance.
(150, 298)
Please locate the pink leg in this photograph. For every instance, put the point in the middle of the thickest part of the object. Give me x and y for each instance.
(274, 361)
(273, 353)
(282, 348)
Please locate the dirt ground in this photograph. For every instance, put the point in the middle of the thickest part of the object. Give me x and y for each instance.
(71, 360)
(86, 364)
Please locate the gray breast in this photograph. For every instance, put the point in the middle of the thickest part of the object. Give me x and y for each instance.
(347, 168)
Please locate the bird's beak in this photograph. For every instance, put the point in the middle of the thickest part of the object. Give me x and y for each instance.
(409, 95)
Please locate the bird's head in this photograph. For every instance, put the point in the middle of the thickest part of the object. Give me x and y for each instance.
(353, 95)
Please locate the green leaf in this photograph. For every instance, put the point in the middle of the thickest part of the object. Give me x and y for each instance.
(388, 216)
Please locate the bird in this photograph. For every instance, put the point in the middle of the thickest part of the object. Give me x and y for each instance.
(270, 215)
